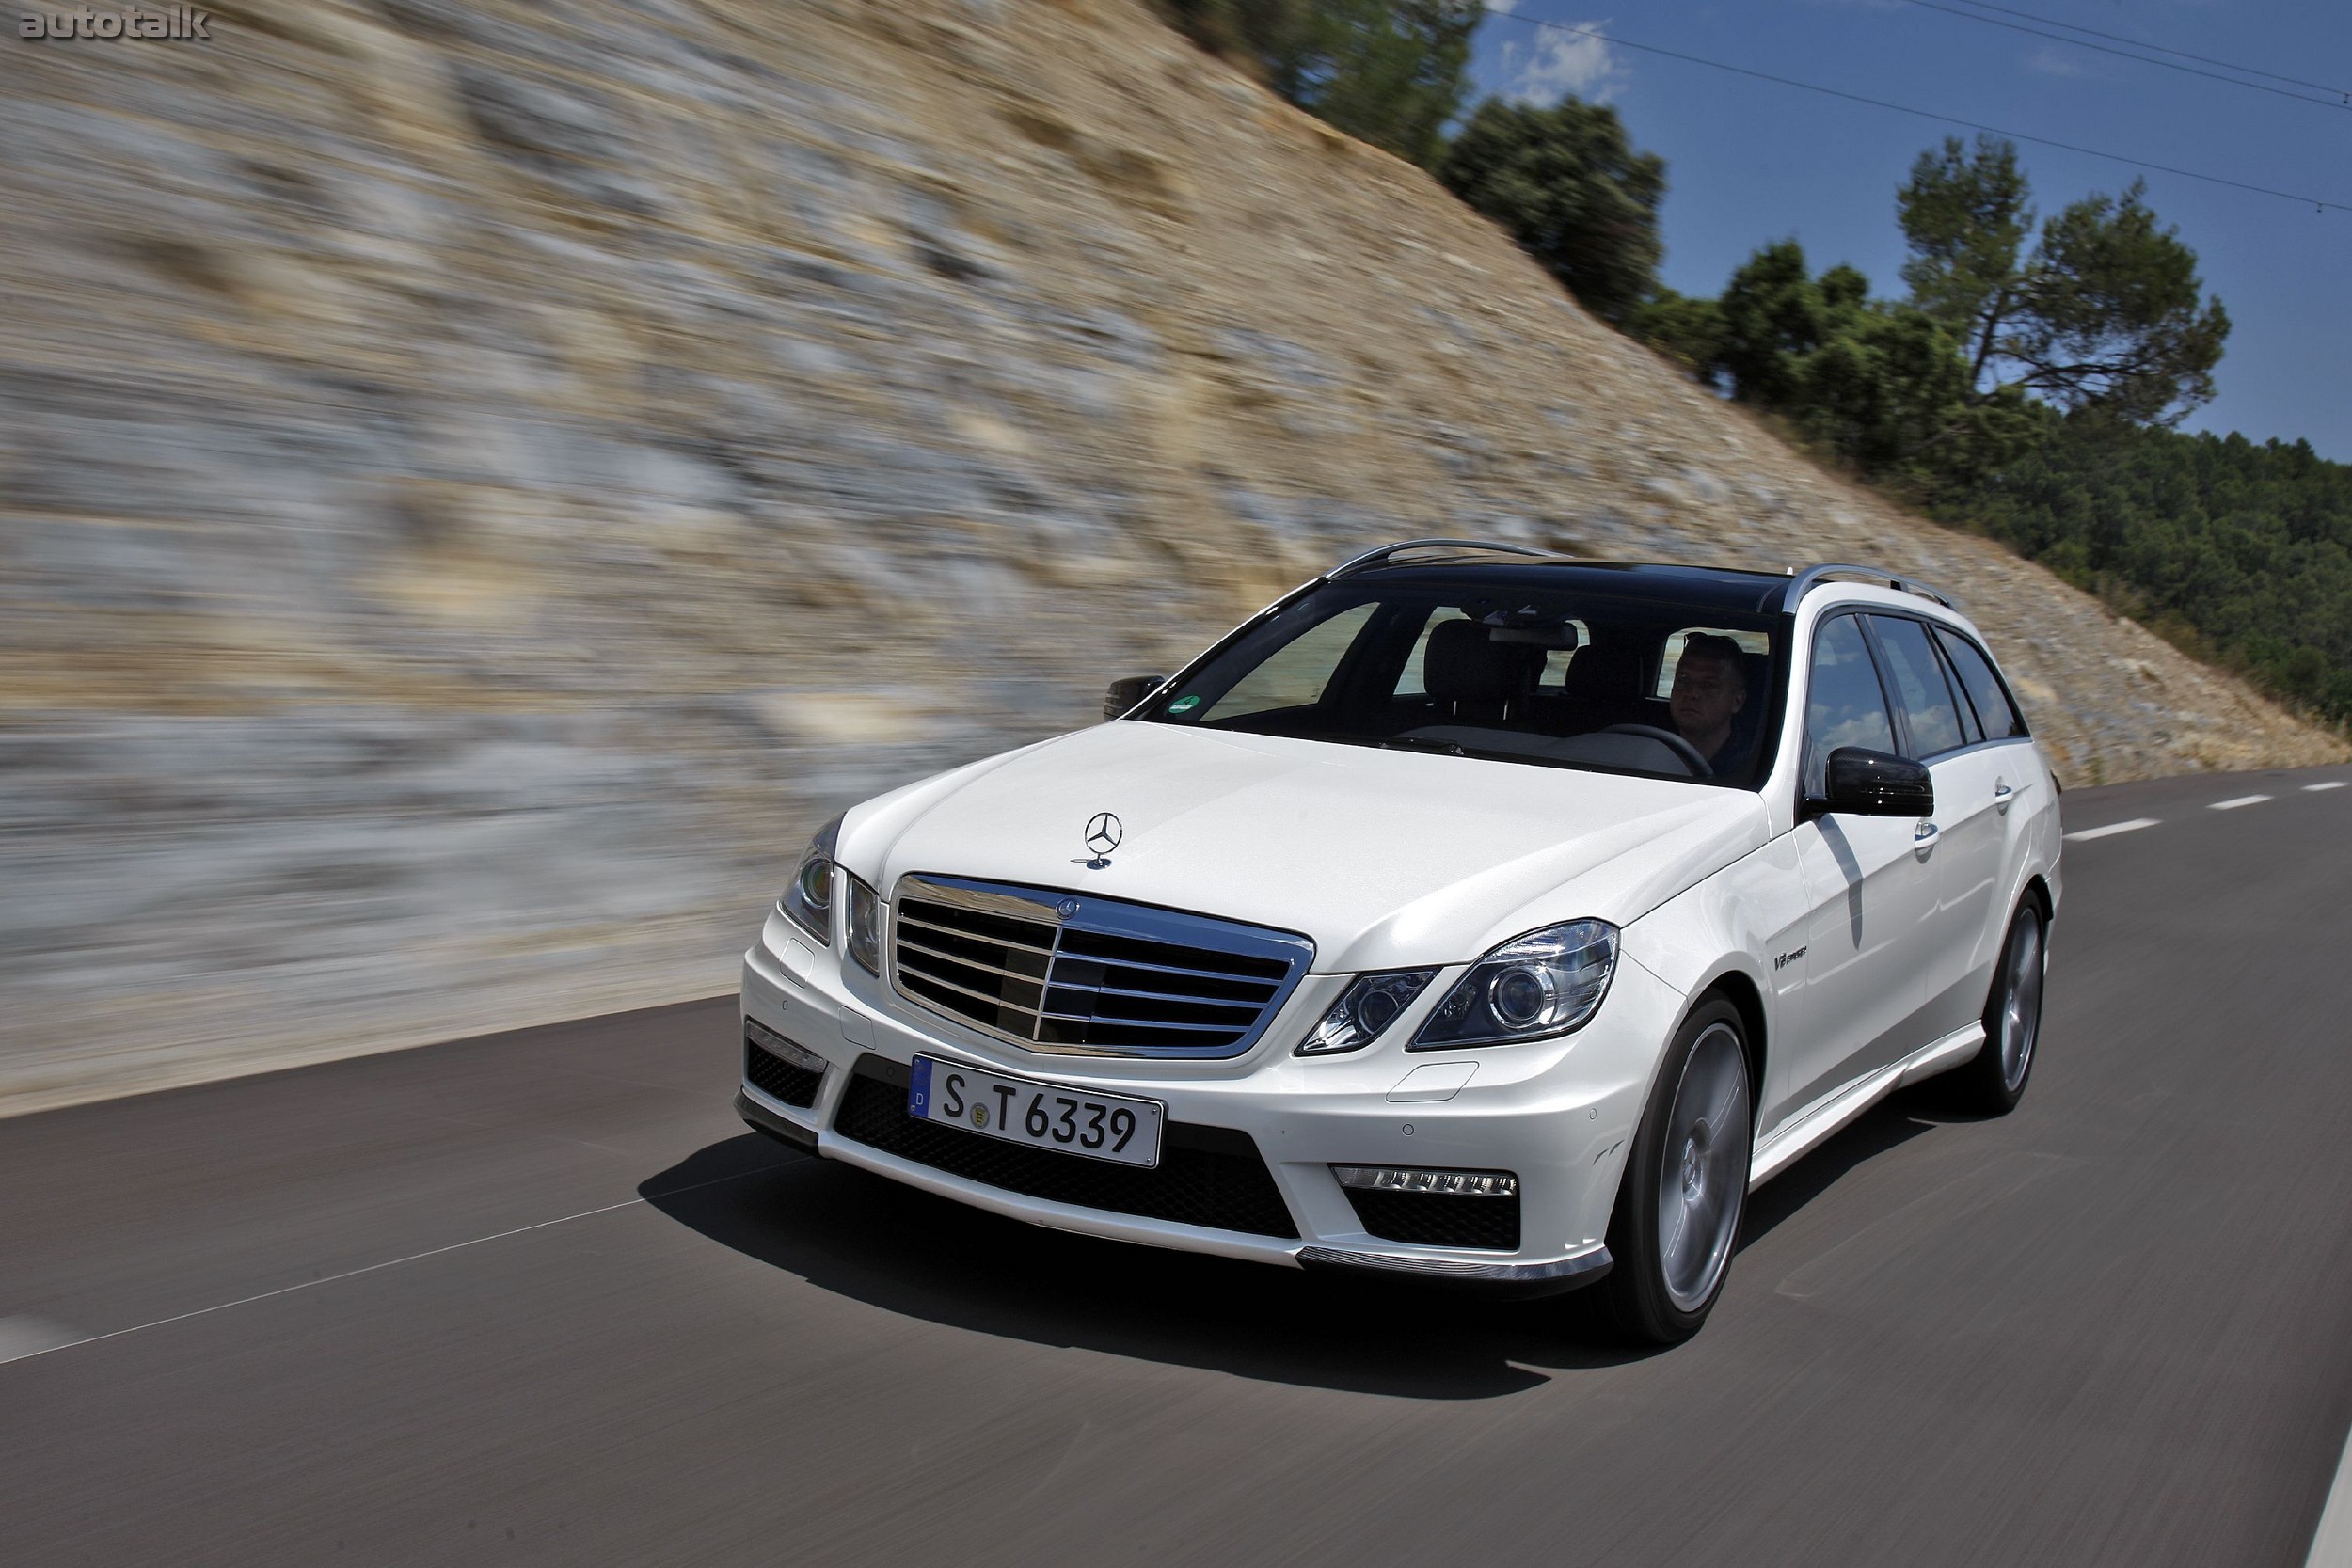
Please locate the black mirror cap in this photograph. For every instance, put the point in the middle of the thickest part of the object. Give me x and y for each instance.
(1126, 692)
(1863, 783)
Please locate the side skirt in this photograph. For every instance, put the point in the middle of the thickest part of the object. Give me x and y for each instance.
(1806, 1129)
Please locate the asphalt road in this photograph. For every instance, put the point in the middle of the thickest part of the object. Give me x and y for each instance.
(539, 1298)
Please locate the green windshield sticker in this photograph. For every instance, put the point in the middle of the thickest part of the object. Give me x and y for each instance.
(1184, 705)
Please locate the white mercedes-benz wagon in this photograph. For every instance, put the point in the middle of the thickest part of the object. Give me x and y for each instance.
(1469, 913)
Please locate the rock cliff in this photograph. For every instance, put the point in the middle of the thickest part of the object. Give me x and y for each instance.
(478, 481)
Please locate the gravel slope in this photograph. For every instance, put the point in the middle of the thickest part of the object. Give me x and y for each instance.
(479, 480)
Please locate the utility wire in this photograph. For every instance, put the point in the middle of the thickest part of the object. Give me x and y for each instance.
(2128, 54)
(2311, 202)
(2344, 93)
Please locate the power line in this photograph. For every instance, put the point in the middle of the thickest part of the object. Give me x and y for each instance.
(2128, 54)
(2344, 93)
(2311, 201)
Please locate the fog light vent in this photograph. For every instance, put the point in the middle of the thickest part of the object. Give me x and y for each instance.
(1449, 1183)
(782, 1070)
(791, 1051)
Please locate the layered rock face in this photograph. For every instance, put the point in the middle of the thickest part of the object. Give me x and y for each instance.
(479, 480)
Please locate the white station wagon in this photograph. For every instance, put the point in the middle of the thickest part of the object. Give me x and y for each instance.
(1469, 913)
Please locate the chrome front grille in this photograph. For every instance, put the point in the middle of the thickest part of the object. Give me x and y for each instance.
(1088, 977)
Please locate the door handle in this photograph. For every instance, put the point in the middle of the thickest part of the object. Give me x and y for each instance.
(2003, 797)
(1923, 840)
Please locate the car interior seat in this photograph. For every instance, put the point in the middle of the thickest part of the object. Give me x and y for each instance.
(1603, 686)
(1472, 680)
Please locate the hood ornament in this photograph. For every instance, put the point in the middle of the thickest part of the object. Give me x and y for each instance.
(1103, 833)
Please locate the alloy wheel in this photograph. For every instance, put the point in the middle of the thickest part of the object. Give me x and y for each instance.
(2021, 1007)
(1703, 1178)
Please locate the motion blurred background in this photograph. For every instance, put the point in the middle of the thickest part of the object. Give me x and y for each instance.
(480, 481)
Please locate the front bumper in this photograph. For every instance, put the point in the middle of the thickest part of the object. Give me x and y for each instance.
(1558, 1114)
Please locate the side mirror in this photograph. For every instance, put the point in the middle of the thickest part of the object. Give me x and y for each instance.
(1863, 783)
(1127, 692)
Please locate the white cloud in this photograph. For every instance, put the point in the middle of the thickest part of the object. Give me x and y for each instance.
(1505, 7)
(2046, 61)
(1561, 64)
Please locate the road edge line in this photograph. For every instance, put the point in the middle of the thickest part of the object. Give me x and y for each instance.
(386, 1263)
(2331, 1543)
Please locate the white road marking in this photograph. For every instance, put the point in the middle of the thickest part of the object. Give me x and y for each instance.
(24, 1337)
(2132, 826)
(2331, 784)
(2241, 800)
(2331, 1547)
(73, 1339)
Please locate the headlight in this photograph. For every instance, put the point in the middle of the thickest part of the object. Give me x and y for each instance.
(1370, 1005)
(862, 927)
(808, 901)
(1544, 983)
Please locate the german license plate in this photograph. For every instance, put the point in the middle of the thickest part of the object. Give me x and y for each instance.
(1058, 1116)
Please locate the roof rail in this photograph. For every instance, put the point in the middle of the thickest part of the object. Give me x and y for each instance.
(1374, 558)
(1806, 579)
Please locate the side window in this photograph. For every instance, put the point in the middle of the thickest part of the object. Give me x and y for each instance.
(1983, 687)
(1970, 731)
(1930, 710)
(1411, 683)
(1295, 674)
(1845, 705)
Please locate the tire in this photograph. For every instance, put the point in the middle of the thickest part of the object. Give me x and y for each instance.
(1685, 1186)
(1992, 1081)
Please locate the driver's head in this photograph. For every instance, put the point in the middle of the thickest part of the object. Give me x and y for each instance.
(1711, 686)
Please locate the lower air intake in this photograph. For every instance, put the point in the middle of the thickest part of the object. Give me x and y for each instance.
(1440, 1219)
(778, 1079)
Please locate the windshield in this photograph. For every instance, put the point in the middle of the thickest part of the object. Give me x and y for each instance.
(1505, 667)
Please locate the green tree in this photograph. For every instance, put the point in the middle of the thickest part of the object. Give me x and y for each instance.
(1882, 387)
(1566, 183)
(1686, 329)
(1886, 391)
(1967, 217)
(2106, 312)
(1774, 314)
(2240, 551)
(1393, 72)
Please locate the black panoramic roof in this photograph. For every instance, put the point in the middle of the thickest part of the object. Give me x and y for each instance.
(1709, 588)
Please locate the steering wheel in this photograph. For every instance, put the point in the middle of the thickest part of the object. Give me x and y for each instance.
(1673, 742)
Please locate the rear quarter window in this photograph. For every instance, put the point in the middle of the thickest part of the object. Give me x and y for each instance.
(1998, 715)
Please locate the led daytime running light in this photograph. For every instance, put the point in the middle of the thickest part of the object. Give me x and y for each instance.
(1448, 1184)
(776, 1045)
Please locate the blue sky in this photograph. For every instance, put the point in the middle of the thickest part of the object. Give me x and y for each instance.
(1749, 162)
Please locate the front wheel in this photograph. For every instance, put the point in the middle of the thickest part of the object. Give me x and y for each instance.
(1993, 1081)
(1685, 1185)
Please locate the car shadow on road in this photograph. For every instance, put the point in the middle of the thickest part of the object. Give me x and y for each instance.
(870, 1240)
(1891, 1123)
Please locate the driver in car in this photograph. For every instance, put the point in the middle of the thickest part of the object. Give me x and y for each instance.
(1711, 688)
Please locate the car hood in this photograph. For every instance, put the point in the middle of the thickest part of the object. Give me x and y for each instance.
(1384, 858)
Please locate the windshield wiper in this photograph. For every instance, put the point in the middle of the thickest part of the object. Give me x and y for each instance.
(1422, 743)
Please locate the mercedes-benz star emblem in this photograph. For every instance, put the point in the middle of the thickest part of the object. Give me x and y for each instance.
(1103, 835)
(1067, 908)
